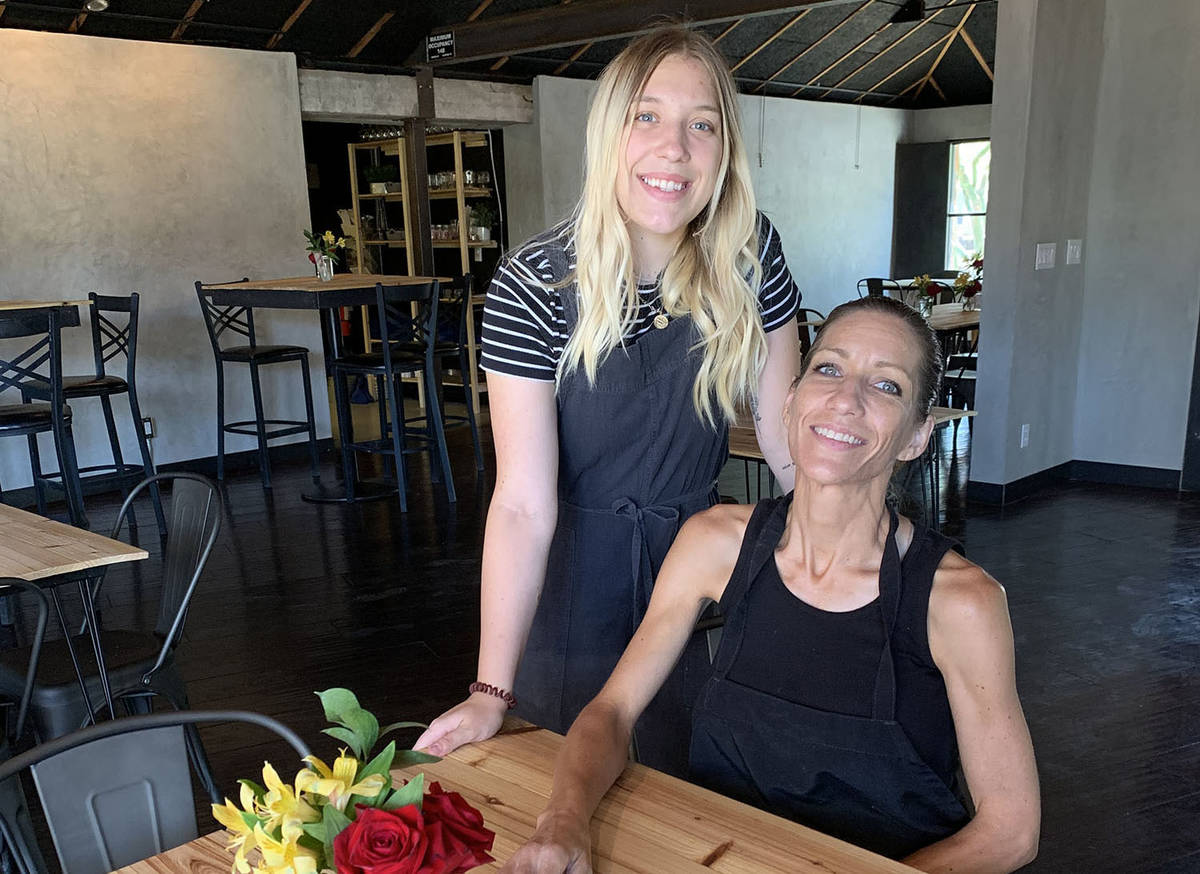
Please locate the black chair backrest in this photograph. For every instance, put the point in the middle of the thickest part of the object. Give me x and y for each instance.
(195, 521)
(35, 651)
(408, 314)
(113, 337)
(42, 360)
(454, 308)
(878, 287)
(219, 319)
(118, 792)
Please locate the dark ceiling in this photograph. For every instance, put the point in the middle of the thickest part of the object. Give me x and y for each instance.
(839, 50)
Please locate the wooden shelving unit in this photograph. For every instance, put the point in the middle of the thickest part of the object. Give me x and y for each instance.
(394, 206)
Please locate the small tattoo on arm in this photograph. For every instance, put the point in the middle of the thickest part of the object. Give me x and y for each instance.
(754, 409)
(788, 466)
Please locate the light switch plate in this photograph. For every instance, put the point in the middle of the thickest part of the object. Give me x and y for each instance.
(1074, 251)
(1045, 256)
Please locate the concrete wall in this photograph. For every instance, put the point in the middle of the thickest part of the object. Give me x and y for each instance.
(131, 166)
(1048, 58)
(950, 123)
(1142, 260)
(826, 179)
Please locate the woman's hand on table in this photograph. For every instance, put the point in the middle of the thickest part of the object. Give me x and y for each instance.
(477, 718)
(561, 844)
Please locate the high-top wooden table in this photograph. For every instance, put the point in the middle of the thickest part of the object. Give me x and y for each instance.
(52, 554)
(648, 823)
(327, 297)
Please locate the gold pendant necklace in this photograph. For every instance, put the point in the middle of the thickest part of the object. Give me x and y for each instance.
(661, 320)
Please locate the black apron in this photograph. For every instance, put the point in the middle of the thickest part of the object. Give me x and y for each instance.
(853, 777)
(635, 461)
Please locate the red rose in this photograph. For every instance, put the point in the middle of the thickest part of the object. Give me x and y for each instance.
(458, 827)
(382, 842)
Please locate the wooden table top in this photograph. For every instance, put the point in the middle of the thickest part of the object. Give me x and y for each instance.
(33, 547)
(648, 823)
(340, 282)
(40, 304)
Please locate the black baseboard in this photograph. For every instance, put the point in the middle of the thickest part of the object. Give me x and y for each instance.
(999, 494)
(235, 462)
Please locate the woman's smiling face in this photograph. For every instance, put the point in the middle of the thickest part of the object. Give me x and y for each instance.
(853, 413)
(673, 151)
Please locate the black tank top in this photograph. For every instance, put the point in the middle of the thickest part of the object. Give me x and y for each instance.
(800, 653)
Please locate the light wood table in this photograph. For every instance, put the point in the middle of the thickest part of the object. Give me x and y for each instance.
(648, 823)
(41, 304)
(52, 554)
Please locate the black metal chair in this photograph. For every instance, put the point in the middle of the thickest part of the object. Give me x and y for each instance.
(119, 792)
(110, 338)
(454, 308)
(240, 320)
(407, 315)
(804, 316)
(878, 287)
(41, 362)
(140, 664)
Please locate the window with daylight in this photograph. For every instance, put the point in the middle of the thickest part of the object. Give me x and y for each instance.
(966, 207)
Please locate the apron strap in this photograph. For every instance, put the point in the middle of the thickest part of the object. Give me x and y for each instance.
(884, 707)
(763, 531)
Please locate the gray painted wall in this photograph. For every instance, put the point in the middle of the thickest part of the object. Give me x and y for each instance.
(1142, 259)
(1048, 60)
(131, 166)
(950, 123)
(835, 218)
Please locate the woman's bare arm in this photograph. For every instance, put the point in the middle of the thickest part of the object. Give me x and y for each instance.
(783, 363)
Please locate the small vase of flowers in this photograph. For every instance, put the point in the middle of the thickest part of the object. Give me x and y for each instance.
(969, 283)
(323, 252)
(350, 818)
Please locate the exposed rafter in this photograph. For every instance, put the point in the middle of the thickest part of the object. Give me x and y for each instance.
(817, 78)
(479, 10)
(820, 41)
(575, 56)
(370, 34)
(958, 28)
(192, 12)
(892, 75)
(720, 36)
(287, 25)
(966, 37)
(900, 41)
(776, 35)
(937, 88)
(555, 27)
(77, 22)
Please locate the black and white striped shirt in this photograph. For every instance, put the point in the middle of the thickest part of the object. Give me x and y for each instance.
(525, 330)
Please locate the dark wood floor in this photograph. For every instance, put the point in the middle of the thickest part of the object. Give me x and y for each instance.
(1102, 585)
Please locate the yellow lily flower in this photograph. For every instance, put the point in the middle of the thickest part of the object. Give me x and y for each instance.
(285, 856)
(335, 783)
(341, 242)
(282, 806)
(328, 237)
(243, 837)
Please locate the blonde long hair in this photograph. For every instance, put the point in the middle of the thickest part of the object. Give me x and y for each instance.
(714, 274)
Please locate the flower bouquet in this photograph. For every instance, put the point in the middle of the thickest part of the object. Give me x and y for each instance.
(349, 818)
(322, 252)
(969, 282)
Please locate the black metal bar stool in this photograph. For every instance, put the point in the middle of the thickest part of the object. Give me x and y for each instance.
(111, 336)
(454, 308)
(41, 362)
(240, 320)
(407, 346)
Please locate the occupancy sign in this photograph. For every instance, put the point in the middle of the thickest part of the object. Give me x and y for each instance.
(439, 46)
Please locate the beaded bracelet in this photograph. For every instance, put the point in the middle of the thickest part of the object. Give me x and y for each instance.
(495, 692)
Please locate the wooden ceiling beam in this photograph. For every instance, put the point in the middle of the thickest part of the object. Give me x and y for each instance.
(877, 56)
(892, 75)
(838, 27)
(776, 35)
(479, 10)
(77, 22)
(817, 78)
(726, 31)
(192, 12)
(541, 29)
(287, 25)
(937, 88)
(370, 34)
(966, 37)
(945, 48)
(575, 56)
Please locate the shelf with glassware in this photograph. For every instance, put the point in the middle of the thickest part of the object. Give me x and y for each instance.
(379, 190)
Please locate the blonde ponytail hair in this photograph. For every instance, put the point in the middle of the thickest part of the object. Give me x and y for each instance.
(714, 274)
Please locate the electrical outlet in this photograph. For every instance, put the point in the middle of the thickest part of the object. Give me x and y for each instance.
(1024, 436)
(1074, 251)
(148, 427)
(1045, 256)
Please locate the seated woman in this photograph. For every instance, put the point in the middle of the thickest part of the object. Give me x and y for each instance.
(861, 656)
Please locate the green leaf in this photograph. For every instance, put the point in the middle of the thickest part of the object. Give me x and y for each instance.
(347, 737)
(395, 726)
(336, 702)
(365, 725)
(258, 791)
(381, 764)
(314, 830)
(404, 758)
(410, 793)
(250, 819)
(334, 821)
